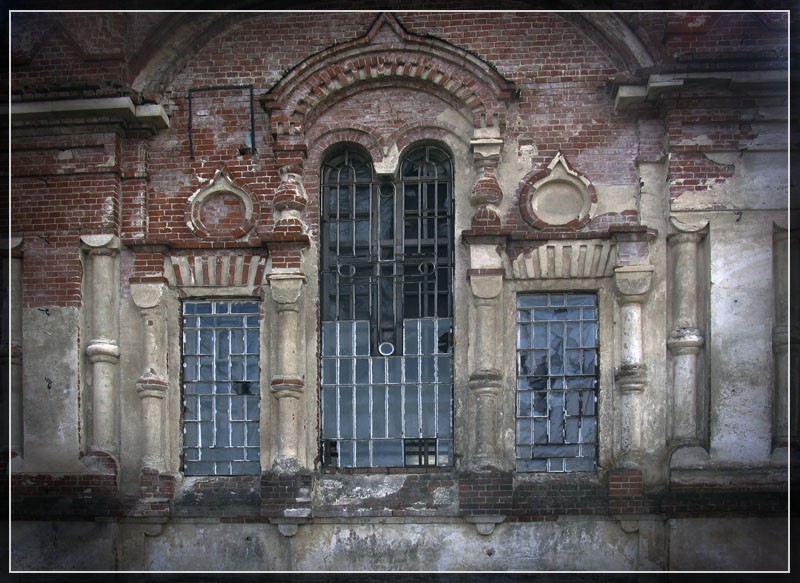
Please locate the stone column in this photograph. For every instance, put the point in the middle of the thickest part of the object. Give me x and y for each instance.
(485, 380)
(287, 383)
(14, 347)
(780, 339)
(632, 285)
(686, 339)
(152, 384)
(103, 347)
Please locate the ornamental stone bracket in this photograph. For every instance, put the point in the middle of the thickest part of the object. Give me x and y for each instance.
(485, 525)
(288, 527)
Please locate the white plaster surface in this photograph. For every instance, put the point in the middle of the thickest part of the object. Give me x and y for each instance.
(740, 337)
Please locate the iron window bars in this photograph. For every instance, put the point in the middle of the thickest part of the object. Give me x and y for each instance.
(221, 389)
(386, 293)
(557, 353)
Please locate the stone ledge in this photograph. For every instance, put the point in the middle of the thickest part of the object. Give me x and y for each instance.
(121, 107)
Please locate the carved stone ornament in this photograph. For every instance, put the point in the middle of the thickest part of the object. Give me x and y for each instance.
(221, 210)
(558, 198)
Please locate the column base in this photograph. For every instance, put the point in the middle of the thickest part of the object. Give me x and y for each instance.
(689, 456)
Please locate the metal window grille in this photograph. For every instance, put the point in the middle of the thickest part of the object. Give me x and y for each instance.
(387, 261)
(557, 352)
(221, 390)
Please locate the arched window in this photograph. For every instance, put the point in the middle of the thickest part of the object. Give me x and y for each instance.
(387, 303)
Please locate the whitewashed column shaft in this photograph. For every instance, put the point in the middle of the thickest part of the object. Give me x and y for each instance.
(485, 381)
(152, 383)
(686, 339)
(103, 348)
(287, 384)
(632, 285)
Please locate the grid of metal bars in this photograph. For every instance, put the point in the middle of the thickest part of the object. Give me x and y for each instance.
(387, 260)
(221, 389)
(557, 353)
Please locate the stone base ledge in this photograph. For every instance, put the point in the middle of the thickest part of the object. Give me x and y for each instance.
(729, 477)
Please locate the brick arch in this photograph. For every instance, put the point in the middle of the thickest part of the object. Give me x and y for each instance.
(411, 135)
(391, 54)
(321, 139)
(321, 143)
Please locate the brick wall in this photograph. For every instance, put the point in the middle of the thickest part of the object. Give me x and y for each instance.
(423, 493)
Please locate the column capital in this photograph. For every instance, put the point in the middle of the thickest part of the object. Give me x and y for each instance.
(678, 227)
(486, 284)
(632, 282)
(102, 241)
(147, 295)
(286, 287)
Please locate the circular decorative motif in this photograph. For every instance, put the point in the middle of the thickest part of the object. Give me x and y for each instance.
(221, 210)
(560, 198)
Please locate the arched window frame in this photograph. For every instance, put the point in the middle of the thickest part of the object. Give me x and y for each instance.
(387, 274)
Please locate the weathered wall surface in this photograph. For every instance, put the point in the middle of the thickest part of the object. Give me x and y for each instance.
(641, 157)
(396, 546)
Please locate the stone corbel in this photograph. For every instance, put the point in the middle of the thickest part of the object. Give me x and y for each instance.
(287, 383)
(632, 285)
(102, 349)
(288, 527)
(152, 384)
(485, 525)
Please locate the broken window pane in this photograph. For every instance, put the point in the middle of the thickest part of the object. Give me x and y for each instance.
(559, 422)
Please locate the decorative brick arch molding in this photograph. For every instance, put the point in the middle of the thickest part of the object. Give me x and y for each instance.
(387, 51)
(390, 58)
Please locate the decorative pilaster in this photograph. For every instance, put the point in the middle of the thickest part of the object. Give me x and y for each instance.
(14, 347)
(152, 383)
(287, 383)
(485, 380)
(632, 285)
(686, 339)
(103, 346)
(780, 343)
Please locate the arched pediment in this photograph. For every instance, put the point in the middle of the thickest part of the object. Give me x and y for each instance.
(387, 53)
